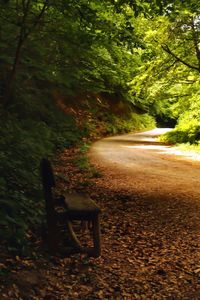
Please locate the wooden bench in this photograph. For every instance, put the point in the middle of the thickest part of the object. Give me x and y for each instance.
(62, 211)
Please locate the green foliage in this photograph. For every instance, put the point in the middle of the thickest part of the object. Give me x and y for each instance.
(185, 132)
(89, 50)
(135, 122)
(83, 163)
(25, 142)
(167, 81)
(193, 149)
(142, 53)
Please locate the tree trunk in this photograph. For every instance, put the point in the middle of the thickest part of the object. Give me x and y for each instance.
(9, 85)
(24, 33)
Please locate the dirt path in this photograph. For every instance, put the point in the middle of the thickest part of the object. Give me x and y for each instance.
(150, 224)
(148, 166)
(157, 203)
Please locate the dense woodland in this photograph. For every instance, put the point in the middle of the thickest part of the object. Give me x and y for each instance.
(73, 71)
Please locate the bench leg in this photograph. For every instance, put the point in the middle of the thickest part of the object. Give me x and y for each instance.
(53, 241)
(96, 237)
(72, 235)
(84, 225)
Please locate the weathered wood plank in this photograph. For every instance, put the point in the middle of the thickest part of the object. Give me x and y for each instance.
(80, 206)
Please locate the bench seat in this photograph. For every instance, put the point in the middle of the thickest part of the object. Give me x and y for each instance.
(80, 206)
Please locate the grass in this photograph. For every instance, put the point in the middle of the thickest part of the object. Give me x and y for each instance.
(194, 150)
(83, 163)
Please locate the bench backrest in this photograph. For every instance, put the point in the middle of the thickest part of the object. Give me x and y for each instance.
(47, 173)
(48, 182)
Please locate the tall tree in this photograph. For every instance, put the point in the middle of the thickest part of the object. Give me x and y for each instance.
(24, 17)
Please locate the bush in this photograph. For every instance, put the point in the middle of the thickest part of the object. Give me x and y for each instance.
(187, 131)
(135, 122)
(23, 145)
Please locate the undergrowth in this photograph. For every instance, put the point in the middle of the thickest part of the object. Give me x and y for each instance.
(32, 130)
(24, 143)
(134, 122)
(187, 131)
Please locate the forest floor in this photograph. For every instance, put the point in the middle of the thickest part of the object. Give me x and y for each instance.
(150, 201)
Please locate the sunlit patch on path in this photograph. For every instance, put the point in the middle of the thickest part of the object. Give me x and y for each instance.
(144, 140)
(151, 215)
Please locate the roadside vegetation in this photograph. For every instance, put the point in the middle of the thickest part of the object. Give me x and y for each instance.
(45, 132)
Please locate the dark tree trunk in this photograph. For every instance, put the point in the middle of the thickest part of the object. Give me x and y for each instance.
(24, 33)
(9, 85)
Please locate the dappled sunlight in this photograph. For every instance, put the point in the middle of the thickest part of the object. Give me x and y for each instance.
(150, 135)
(155, 132)
(187, 154)
(148, 147)
(148, 141)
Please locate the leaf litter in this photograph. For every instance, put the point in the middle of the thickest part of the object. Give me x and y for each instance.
(149, 251)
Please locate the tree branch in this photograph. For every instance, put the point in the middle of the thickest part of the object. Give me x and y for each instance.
(196, 42)
(167, 49)
(24, 33)
(37, 18)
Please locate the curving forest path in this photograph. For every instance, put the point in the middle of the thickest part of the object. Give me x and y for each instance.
(153, 213)
(150, 224)
(148, 166)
